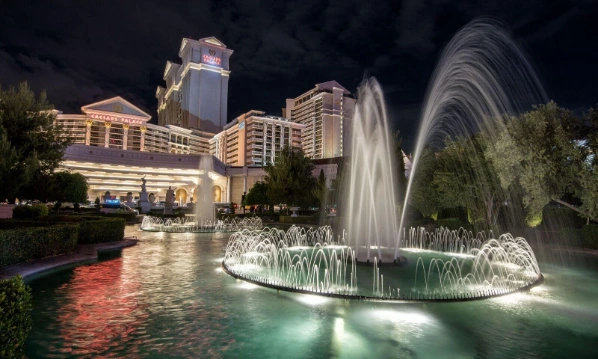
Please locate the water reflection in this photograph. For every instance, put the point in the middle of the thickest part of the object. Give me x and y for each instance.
(166, 298)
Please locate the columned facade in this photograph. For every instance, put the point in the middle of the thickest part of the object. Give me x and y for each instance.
(116, 123)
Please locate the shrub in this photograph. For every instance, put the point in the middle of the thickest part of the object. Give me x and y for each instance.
(560, 217)
(300, 220)
(101, 230)
(28, 243)
(590, 236)
(127, 216)
(453, 223)
(27, 212)
(15, 317)
(93, 229)
(459, 213)
(571, 236)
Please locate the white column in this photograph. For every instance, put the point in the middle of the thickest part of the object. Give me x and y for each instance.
(125, 135)
(88, 124)
(107, 125)
(142, 143)
(228, 188)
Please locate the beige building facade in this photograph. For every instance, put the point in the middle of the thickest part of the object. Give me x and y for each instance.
(255, 139)
(326, 112)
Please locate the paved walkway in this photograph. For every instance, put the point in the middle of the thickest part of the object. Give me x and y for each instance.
(83, 253)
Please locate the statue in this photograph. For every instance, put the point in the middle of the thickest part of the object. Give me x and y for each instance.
(143, 202)
(169, 201)
(130, 199)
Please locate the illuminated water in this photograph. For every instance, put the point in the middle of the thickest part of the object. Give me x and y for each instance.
(167, 298)
(369, 211)
(482, 77)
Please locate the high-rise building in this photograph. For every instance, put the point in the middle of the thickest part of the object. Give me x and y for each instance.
(326, 112)
(255, 139)
(196, 93)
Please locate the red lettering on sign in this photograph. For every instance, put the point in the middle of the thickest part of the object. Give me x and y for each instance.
(212, 60)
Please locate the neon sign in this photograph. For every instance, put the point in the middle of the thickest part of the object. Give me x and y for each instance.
(121, 119)
(209, 59)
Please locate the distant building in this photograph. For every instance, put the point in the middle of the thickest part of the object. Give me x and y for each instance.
(255, 139)
(196, 93)
(326, 112)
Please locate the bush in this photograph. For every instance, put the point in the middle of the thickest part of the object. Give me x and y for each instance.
(453, 223)
(101, 230)
(561, 217)
(28, 243)
(127, 216)
(15, 317)
(94, 229)
(459, 213)
(590, 236)
(571, 236)
(27, 212)
(300, 220)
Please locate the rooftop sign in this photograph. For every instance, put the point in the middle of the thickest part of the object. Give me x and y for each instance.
(120, 119)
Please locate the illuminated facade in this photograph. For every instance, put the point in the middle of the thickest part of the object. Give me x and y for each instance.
(255, 139)
(116, 123)
(196, 92)
(325, 111)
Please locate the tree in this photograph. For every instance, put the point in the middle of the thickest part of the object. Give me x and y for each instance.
(547, 153)
(289, 179)
(424, 196)
(464, 177)
(257, 195)
(320, 190)
(70, 187)
(30, 143)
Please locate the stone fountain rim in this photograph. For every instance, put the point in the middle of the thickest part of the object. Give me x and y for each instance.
(366, 298)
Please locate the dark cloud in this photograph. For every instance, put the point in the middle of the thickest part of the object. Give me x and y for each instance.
(87, 51)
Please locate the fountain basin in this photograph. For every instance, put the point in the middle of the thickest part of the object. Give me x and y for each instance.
(438, 268)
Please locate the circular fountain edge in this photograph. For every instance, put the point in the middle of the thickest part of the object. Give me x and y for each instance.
(407, 299)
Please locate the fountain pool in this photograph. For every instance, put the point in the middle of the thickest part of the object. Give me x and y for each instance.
(168, 297)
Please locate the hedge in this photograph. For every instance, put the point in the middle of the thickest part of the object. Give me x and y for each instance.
(28, 243)
(128, 217)
(453, 223)
(94, 229)
(300, 219)
(15, 317)
(560, 217)
(590, 236)
(91, 229)
(26, 212)
(101, 231)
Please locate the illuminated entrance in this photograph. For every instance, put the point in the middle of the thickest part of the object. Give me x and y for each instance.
(181, 196)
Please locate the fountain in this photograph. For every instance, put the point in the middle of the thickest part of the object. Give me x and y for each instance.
(204, 221)
(204, 205)
(480, 72)
(370, 191)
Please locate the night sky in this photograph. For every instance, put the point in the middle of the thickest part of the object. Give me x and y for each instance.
(86, 51)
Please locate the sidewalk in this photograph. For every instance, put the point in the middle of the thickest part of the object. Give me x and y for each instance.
(82, 254)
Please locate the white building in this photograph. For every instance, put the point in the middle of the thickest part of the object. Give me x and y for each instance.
(116, 123)
(196, 93)
(326, 112)
(255, 139)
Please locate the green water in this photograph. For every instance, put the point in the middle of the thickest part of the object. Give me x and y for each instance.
(168, 298)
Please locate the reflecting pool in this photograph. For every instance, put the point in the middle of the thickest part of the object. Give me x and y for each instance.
(167, 297)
